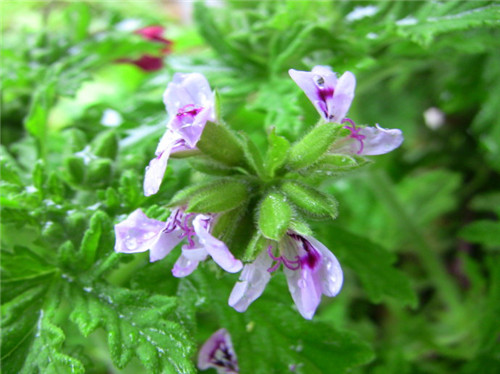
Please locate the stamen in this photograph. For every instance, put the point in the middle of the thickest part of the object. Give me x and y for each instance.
(290, 264)
(189, 109)
(355, 133)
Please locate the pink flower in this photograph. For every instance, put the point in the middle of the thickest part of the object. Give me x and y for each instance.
(332, 97)
(310, 268)
(218, 353)
(368, 141)
(148, 62)
(138, 233)
(190, 104)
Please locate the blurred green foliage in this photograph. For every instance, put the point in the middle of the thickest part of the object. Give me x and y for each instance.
(417, 232)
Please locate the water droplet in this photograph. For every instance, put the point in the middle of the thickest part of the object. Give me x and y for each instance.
(131, 243)
(302, 283)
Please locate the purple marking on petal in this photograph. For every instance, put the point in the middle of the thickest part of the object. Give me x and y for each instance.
(332, 97)
(218, 353)
(355, 134)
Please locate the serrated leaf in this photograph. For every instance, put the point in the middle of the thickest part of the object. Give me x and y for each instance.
(312, 146)
(275, 215)
(91, 239)
(136, 325)
(373, 266)
(483, 232)
(105, 145)
(423, 31)
(312, 202)
(275, 334)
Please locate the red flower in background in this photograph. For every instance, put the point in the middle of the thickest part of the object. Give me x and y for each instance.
(148, 62)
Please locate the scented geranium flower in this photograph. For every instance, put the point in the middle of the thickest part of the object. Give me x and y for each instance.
(218, 353)
(148, 62)
(332, 97)
(190, 104)
(368, 141)
(310, 268)
(138, 233)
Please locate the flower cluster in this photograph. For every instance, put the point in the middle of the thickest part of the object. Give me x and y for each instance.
(201, 215)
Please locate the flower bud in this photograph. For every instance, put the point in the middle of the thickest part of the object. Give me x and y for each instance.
(310, 201)
(311, 147)
(275, 215)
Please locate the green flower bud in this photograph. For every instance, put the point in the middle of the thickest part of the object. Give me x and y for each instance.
(99, 172)
(219, 143)
(75, 167)
(105, 145)
(311, 147)
(274, 216)
(219, 196)
(310, 201)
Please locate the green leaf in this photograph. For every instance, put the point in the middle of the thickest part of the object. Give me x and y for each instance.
(423, 31)
(219, 143)
(99, 172)
(311, 147)
(75, 167)
(210, 167)
(219, 196)
(91, 238)
(483, 232)
(373, 266)
(276, 154)
(274, 215)
(276, 334)
(105, 145)
(136, 325)
(311, 202)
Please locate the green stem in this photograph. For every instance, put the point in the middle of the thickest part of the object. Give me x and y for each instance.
(446, 288)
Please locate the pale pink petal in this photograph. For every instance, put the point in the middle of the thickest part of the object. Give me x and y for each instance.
(216, 248)
(304, 283)
(188, 261)
(157, 166)
(252, 282)
(188, 89)
(342, 97)
(379, 140)
(137, 233)
(330, 272)
(191, 132)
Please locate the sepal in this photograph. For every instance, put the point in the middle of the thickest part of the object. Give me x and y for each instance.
(311, 147)
(277, 153)
(310, 201)
(275, 214)
(220, 196)
(219, 143)
(257, 244)
(332, 164)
